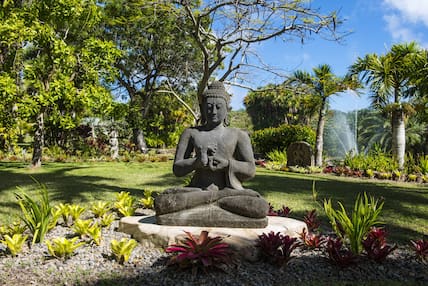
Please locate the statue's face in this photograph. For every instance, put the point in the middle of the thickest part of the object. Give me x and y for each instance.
(216, 110)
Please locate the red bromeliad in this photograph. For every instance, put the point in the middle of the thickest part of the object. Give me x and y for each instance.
(375, 244)
(200, 252)
(276, 248)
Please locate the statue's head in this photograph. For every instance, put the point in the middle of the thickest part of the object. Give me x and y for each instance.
(215, 104)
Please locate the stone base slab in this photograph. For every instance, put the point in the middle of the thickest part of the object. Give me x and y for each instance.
(242, 240)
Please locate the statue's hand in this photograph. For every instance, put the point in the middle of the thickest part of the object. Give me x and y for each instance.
(217, 163)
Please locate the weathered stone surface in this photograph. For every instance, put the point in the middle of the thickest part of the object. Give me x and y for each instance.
(220, 158)
(242, 240)
(210, 215)
(300, 154)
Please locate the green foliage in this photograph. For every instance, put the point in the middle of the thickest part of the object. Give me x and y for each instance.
(277, 156)
(125, 204)
(281, 137)
(122, 249)
(76, 211)
(35, 214)
(148, 200)
(13, 228)
(423, 164)
(88, 228)
(107, 219)
(61, 210)
(81, 227)
(100, 208)
(376, 160)
(355, 227)
(62, 247)
(14, 244)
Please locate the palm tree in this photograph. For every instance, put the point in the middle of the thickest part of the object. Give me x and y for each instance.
(321, 85)
(389, 80)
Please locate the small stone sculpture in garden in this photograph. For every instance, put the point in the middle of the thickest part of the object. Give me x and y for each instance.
(220, 159)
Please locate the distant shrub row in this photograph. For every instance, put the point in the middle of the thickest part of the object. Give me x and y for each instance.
(278, 138)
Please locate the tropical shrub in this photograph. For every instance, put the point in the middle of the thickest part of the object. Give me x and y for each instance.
(355, 227)
(375, 245)
(14, 243)
(423, 164)
(276, 248)
(36, 215)
(279, 138)
(200, 252)
(62, 247)
(277, 156)
(122, 249)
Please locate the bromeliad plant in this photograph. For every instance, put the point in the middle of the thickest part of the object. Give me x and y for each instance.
(36, 215)
(107, 219)
(125, 204)
(100, 208)
(276, 248)
(75, 211)
(200, 252)
(312, 221)
(14, 244)
(122, 249)
(420, 248)
(375, 245)
(62, 247)
(148, 200)
(62, 210)
(338, 254)
(353, 229)
(283, 212)
(311, 240)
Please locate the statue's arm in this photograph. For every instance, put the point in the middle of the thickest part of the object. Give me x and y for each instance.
(183, 162)
(243, 164)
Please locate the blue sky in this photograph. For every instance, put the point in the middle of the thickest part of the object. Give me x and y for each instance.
(375, 24)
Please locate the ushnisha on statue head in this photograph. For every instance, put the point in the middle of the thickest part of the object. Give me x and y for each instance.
(215, 99)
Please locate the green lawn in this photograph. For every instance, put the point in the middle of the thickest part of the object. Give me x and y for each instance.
(405, 211)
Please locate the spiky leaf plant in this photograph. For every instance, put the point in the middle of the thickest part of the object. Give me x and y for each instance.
(62, 247)
(200, 252)
(14, 244)
(122, 249)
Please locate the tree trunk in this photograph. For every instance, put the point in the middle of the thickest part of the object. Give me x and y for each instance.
(398, 137)
(319, 142)
(38, 144)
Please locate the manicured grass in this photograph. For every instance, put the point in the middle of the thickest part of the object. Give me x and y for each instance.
(405, 211)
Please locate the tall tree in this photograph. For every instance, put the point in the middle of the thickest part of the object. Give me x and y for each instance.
(64, 65)
(156, 47)
(322, 84)
(389, 78)
(273, 105)
(226, 31)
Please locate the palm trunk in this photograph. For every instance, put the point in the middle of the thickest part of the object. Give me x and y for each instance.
(320, 133)
(38, 144)
(398, 137)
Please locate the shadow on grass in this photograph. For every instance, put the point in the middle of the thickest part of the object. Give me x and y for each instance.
(405, 211)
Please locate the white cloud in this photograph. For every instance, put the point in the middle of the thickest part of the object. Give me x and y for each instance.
(407, 20)
(413, 11)
(398, 30)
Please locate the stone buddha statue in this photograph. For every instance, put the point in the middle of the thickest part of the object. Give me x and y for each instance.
(221, 158)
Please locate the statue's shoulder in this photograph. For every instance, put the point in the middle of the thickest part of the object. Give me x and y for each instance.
(237, 131)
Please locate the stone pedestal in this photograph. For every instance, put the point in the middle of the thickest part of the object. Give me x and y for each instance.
(210, 216)
(242, 240)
